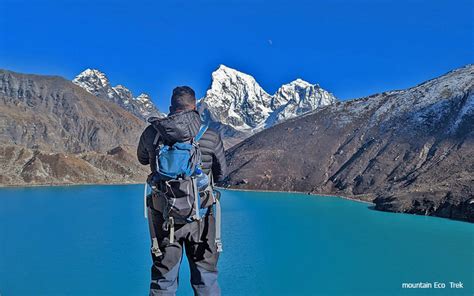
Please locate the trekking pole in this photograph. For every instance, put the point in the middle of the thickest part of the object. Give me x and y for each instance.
(145, 210)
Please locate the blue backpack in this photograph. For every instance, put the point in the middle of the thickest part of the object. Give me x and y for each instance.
(181, 159)
(179, 180)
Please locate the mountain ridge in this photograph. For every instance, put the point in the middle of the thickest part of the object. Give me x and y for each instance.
(407, 150)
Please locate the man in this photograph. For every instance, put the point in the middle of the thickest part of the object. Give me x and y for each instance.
(197, 238)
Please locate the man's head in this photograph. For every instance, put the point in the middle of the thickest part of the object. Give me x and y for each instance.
(183, 99)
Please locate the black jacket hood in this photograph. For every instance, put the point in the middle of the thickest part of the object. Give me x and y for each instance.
(178, 127)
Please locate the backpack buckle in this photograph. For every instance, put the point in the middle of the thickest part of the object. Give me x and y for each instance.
(155, 249)
(219, 245)
(171, 226)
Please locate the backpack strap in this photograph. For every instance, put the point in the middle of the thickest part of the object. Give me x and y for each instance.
(211, 179)
(197, 200)
(157, 137)
(218, 240)
(217, 196)
(155, 248)
(201, 132)
(152, 153)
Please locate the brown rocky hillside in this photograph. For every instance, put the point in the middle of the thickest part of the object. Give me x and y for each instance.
(55, 132)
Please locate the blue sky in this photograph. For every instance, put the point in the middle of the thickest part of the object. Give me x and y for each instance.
(352, 48)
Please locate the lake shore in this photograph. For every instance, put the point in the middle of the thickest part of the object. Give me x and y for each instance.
(142, 183)
(69, 184)
(304, 193)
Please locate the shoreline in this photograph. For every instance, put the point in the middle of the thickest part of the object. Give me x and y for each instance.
(304, 193)
(69, 184)
(142, 183)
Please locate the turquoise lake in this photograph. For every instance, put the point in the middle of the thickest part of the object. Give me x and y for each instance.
(93, 240)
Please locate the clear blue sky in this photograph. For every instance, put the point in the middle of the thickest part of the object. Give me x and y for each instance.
(352, 48)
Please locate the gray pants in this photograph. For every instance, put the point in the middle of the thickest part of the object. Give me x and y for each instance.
(197, 239)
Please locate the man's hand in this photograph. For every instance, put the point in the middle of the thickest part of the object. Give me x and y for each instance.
(150, 179)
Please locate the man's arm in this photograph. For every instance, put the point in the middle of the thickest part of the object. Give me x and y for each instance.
(146, 149)
(219, 165)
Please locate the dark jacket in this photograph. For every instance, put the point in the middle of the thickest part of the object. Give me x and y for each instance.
(180, 127)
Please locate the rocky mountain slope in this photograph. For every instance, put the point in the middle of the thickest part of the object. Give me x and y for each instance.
(238, 106)
(408, 151)
(97, 83)
(54, 132)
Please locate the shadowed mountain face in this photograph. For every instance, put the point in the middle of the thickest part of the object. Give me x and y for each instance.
(54, 132)
(408, 151)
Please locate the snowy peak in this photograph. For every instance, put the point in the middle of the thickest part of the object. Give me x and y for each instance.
(236, 100)
(124, 93)
(146, 106)
(224, 74)
(92, 80)
(301, 83)
(97, 83)
(298, 97)
(93, 75)
(144, 98)
(226, 79)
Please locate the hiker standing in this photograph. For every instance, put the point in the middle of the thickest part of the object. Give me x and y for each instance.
(185, 156)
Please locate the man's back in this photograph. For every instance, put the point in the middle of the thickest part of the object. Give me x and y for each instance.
(210, 144)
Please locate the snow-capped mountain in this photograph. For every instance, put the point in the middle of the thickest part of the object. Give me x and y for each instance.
(237, 100)
(296, 98)
(97, 83)
(240, 106)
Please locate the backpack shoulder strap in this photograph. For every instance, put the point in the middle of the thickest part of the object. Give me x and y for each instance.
(157, 137)
(201, 132)
(152, 154)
